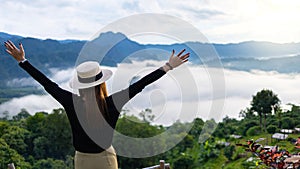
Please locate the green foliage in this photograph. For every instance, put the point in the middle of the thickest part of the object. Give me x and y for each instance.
(22, 115)
(44, 140)
(9, 155)
(255, 130)
(57, 131)
(35, 123)
(40, 147)
(138, 129)
(3, 126)
(264, 103)
(288, 123)
(247, 125)
(16, 137)
(208, 150)
(36, 137)
(49, 163)
(272, 129)
(184, 161)
(228, 151)
(196, 129)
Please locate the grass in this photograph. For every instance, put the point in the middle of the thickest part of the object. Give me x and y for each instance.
(215, 163)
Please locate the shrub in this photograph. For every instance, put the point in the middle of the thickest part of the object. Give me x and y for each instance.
(252, 131)
(228, 151)
(271, 129)
(288, 123)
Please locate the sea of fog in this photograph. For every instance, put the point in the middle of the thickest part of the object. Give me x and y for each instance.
(182, 94)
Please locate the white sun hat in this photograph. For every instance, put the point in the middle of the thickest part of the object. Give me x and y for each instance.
(89, 74)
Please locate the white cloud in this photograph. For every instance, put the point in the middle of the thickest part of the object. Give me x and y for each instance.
(32, 103)
(220, 21)
(167, 96)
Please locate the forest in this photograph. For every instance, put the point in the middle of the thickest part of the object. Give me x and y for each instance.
(44, 140)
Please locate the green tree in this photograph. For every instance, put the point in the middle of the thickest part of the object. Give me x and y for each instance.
(16, 138)
(40, 147)
(56, 129)
(288, 123)
(3, 126)
(22, 115)
(4, 115)
(195, 131)
(35, 125)
(134, 127)
(184, 161)
(49, 163)
(9, 155)
(264, 102)
(228, 151)
(147, 115)
(51, 135)
(247, 113)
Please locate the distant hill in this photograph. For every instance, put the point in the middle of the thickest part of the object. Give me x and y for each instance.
(113, 48)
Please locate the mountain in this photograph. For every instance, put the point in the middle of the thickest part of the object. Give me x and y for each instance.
(5, 36)
(112, 48)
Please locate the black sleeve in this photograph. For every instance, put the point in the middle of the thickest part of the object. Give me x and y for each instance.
(52, 88)
(120, 98)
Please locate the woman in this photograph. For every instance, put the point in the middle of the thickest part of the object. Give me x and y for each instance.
(93, 113)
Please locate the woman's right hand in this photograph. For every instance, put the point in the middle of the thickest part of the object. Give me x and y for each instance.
(16, 53)
(175, 61)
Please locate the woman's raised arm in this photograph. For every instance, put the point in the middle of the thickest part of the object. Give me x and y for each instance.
(122, 97)
(51, 87)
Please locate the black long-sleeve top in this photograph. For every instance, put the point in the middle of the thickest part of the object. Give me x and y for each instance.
(81, 140)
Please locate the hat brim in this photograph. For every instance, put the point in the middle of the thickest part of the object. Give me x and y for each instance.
(75, 84)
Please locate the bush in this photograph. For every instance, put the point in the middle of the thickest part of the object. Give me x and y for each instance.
(184, 162)
(271, 129)
(253, 131)
(228, 151)
(288, 123)
(49, 163)
(249, 125)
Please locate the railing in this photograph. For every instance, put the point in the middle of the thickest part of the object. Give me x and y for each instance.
(11, 166)
(162, 165)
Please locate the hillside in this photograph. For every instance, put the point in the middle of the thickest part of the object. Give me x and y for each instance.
(113, 48)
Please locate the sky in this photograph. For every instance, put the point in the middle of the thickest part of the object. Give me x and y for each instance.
(220, 21)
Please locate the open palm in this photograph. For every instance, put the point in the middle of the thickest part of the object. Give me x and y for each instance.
(11, 49)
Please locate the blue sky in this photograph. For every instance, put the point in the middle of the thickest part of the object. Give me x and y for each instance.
(221, 21)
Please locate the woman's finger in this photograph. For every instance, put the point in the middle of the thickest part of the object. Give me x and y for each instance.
(172, 55)
(21, 47)
(12, 44)
(185, 60)
(185, 56)
(8, 46)
(173, 52)
(8, 51)
(180, 52)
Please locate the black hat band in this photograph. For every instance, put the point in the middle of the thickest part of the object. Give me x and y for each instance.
(90, 79)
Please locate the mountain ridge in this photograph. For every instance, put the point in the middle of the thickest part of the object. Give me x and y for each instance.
(111, 48)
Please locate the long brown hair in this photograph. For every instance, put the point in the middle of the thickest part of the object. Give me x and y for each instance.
(94, 100)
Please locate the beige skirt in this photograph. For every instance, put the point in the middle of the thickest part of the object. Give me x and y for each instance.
(104, 160)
